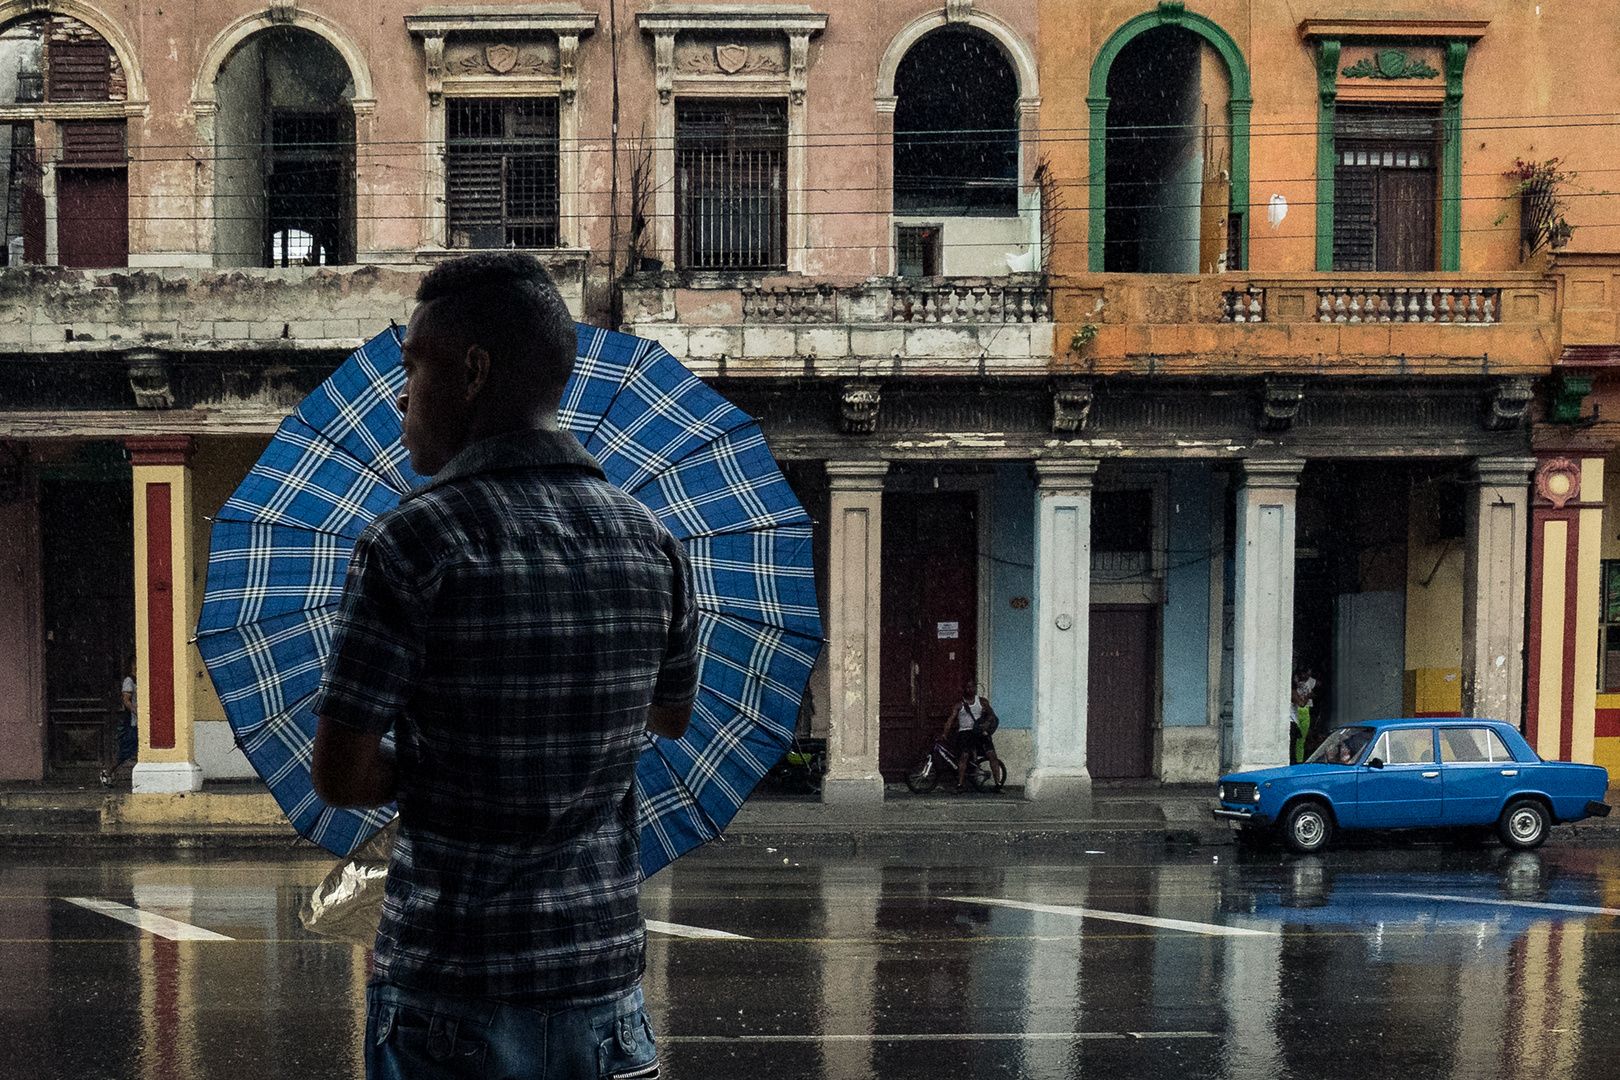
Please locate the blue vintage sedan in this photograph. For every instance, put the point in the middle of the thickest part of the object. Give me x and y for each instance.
(1395, 774)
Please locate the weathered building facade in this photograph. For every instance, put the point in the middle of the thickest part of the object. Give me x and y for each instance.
(1128, 356)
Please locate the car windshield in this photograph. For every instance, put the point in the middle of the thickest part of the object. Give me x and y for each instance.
(1343, 746)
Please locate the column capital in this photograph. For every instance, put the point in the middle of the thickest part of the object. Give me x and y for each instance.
(160, 449)
(1282, 472)
(1503, 471)
(856, 475)
(1057, 475)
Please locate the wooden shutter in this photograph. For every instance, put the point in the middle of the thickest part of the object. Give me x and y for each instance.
(93, 143)
(79, 72)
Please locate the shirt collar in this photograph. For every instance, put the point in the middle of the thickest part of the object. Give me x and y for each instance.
(524, 449)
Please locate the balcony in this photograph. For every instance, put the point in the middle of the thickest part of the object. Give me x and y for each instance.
(875, 326)
(1338, 323)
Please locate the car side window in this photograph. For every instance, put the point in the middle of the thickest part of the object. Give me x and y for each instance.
(1499, 750)
(1380, 748)
(1462, 745)
(1410, 746)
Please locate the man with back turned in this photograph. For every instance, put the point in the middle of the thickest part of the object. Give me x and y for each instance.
(517, 622)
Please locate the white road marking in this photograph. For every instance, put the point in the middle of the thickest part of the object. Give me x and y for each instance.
(1211, 929)
(1572, 908)
(153, 924)
(678, 930)
(948, 1036)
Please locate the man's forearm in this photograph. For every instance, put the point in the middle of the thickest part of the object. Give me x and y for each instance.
(350, 768)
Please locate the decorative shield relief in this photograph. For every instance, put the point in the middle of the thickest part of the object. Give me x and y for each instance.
(501, 58)
(731, 58)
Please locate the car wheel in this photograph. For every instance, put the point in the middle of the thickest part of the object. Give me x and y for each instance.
(1523, 824)
(1307, 827)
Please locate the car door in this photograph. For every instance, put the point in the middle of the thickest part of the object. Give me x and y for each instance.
(1407, 790)
(1476, 774)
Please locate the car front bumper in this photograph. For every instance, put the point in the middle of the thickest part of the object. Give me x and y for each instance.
(1241, 819)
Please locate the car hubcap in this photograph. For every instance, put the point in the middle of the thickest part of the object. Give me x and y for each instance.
(1525, 824)
(1308, 829)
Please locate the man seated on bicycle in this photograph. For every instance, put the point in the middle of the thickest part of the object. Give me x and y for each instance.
(973, 720)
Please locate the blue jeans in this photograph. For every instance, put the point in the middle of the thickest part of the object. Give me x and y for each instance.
(410, 1034)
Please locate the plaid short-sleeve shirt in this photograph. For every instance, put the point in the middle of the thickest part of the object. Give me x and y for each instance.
(511, 622)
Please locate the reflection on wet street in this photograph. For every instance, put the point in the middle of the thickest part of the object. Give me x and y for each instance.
(1422, 961)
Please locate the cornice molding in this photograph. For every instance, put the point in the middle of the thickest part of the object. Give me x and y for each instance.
(562, 18)
(1403, 29)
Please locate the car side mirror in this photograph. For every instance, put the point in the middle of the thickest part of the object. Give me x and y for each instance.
(1375, 763)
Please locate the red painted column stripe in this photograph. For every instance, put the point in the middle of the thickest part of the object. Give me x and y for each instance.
(159, 687)
(1572, 593)
(1532, 651)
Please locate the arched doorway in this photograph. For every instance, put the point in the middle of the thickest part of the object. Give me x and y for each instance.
(284, 184)
(956, 157)
(1169, 148)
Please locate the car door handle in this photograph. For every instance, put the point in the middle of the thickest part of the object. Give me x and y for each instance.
(1430, 775)
(1510, 772)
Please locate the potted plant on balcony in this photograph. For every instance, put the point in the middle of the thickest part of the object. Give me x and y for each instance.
(1542, 226)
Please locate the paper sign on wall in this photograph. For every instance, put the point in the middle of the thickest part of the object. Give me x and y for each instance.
(948, 629)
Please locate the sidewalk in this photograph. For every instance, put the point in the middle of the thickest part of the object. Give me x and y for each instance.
(1119, 813)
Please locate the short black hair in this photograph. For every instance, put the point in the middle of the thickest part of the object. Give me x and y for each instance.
(505, 302)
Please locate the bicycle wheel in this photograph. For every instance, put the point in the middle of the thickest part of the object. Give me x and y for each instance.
(924, 778)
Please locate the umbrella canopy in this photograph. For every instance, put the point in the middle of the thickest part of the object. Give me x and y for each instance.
(281, 546)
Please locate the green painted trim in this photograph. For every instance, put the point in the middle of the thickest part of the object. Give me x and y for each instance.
(1451, 170)
(1327, 77)
(1166, 14)
(1097, 183)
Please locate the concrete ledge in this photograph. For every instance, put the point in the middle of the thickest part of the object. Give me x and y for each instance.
(166, 777)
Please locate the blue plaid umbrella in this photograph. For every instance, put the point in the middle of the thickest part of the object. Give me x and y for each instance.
(281, 546)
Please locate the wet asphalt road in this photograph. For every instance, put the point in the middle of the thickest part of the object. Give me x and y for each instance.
(1416, 961)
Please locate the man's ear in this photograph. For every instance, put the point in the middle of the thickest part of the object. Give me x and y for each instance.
(476, 366)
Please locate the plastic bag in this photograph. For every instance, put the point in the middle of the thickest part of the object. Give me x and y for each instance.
(347, 905)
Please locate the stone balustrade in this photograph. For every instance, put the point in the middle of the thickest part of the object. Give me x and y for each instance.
(900, 300)
(1457, 306)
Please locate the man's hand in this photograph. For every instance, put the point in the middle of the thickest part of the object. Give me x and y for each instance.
(669, 722)
(350, 768)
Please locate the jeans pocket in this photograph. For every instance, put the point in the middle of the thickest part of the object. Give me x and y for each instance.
(629, 1051)
(413, 1043)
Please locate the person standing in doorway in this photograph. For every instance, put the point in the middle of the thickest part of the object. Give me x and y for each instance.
(127, 739)
(1302, 700)
(518, 623)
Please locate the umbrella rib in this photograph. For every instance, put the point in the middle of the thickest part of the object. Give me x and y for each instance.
(748, 422)
(691, 796)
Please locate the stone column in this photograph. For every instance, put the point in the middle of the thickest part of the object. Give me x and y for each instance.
(164, 574)
(855, 629)
(1496, 541)
(1062, 629)
(1263, 602)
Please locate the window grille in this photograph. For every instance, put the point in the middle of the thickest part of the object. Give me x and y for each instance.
(500, 158)
(731, 182)
(79, 71)
(917, 250)
(309, 187)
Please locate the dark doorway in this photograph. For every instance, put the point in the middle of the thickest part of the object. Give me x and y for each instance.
(1386, 189)
(1120, 698)
(956, 128)
(87, 534)
(930, 619)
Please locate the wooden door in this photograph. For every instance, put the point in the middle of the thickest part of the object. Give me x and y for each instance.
(92, 225)
(930, 620)
(1122, 690)
(1406, 225)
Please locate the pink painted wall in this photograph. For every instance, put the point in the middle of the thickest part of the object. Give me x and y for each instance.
(22, 670)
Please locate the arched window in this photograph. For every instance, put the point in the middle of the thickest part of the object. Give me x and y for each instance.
(284, 146)
(50, 61)
(956, 128)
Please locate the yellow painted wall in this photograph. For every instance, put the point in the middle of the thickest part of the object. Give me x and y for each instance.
(217, 467)
(1434, 591)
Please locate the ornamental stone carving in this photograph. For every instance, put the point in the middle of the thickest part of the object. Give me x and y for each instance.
(1071, 405)
(1507, 403)
(465, 59)
(1280, 400)
(702, 58)
(860, 407)
(958, 10)
(149, 379)
(1559, 481)
(1390, 64)
(282, 12)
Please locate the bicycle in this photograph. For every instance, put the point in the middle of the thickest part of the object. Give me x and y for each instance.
(925, 777)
